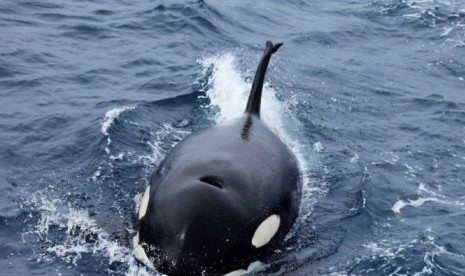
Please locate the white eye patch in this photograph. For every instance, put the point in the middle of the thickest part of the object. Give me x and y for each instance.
(266, 230)
(144, 202)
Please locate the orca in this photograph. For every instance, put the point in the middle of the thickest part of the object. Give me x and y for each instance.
(224, 197)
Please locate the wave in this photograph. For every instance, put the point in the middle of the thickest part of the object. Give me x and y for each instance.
(110, 116)
(447, 18)
(83, 235)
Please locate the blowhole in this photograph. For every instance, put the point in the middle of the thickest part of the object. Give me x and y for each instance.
(212, 180)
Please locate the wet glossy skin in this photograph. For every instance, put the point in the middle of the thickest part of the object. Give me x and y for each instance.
(211, 193)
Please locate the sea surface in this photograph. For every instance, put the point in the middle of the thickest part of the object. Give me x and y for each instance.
(369, 95)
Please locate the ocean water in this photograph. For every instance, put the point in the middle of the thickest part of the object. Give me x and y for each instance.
(369, 95)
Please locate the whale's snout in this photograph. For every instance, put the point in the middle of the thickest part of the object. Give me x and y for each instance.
(200, 221)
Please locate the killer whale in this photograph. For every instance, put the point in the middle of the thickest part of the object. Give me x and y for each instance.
(224, 197)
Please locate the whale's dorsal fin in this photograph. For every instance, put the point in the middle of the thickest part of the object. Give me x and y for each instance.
(255, 98)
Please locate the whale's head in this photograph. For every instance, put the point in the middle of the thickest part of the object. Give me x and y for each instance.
(212, 214)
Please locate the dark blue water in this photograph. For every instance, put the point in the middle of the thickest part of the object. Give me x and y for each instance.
(370, 96)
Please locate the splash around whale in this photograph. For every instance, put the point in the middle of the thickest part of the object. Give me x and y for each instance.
(223, 198)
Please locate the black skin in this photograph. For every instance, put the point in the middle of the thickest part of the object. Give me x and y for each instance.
(215, 188)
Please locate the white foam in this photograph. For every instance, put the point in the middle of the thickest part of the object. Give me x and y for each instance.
(410, 169)
(447, 31)
(389, 249)
(318, 147)
(137, 200)
(392, 158)
(426, 195)
(167, 133)
(83, 234)
(110, 117)
(377, 249)
(423, 190)
(117, 157)
(228, 90)
(415, 203)
(355, 158)
(96, 174)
